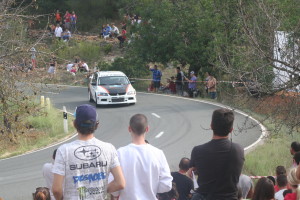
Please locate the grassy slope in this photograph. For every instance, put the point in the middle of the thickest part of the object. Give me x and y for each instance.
(47, 129)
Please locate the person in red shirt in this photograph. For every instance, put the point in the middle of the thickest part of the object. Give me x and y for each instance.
(122, 37)
(67, 18)
(57, 17)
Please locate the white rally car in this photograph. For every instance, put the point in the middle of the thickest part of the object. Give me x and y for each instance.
(111, 87)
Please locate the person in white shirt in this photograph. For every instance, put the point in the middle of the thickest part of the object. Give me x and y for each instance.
(145, 167)
(58, 31)
(48, 175)
(114, 31)
(83, 165)
(282, 183)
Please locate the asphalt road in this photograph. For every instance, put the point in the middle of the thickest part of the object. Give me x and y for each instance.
(176, 126)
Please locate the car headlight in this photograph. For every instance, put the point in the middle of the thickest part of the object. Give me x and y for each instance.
(102, 94)
(131, 93)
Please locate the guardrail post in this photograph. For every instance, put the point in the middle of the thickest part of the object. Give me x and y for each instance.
(65, 116)
(48, 103)
(42, 101)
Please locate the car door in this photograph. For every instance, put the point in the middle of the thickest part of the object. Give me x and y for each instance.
(93, 86)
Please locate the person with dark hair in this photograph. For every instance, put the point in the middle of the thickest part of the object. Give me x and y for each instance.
(145, 167)
(295, 147)
(48, 175)
(179, 81)
(264, 189)
(282, 186)
(41, 193)
(280, 170)
(156, 77)
(83, 165)
(272, 179)
(219, 162)
(183, 183)
(297, 158)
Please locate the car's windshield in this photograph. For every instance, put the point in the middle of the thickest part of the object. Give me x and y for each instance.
(113, 80)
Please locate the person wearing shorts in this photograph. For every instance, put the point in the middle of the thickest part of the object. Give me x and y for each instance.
(156, 77)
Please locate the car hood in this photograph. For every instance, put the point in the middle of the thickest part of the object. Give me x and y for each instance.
(115, 89)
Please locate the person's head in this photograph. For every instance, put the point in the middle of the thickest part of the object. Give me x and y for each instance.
(57, 25)
(295, 147)
(178, 69)
(113, 25)
(222, 122)
(282, 181)
(271, 178)
(206, 74)
(42, 193)
(264, 189)
(297, 158)
(280, 170)
(67, 12)
(285, 192)
(172, 78)
(107, 25)
(73, 12)
(184, 164)
(57, 11)
(54, 154)
(138, 124)
(155, 66)
(86, 119)
(192, 73)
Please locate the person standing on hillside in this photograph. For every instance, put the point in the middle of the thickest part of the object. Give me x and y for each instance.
(192, 83)
(212, 86)
(218, 162)
(57, 17)
(73, 21)
(58, 32)
(67, 20)
(179, 81)
(83, 165)
(145, 167)
(156, 77)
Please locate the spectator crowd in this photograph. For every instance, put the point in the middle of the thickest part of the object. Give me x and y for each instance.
(89, 168)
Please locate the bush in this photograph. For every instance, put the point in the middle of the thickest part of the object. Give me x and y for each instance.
(107, 48)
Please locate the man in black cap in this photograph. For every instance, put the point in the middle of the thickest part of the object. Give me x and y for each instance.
(83, 165)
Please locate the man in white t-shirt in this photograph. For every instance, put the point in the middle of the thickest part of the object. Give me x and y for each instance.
(145, 167)
(83, 165)
(58, 31)
(282, 183)
(48, 175)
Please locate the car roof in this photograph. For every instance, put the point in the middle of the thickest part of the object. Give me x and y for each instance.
(110, 73)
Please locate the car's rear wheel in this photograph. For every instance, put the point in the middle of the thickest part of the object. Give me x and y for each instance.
(90, 97)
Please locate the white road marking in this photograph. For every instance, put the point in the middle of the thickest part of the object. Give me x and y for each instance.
(159, 135)
(156, 115)
(50, 92)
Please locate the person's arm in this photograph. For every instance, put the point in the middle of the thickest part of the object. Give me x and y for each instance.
(165, 178)
(298, 172)
(57, 187)
(119, 181)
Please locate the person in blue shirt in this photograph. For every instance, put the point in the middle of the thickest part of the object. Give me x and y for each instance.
(156, 77)
(192, 83)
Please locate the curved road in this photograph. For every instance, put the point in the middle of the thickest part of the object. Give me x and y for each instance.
(176, 126)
